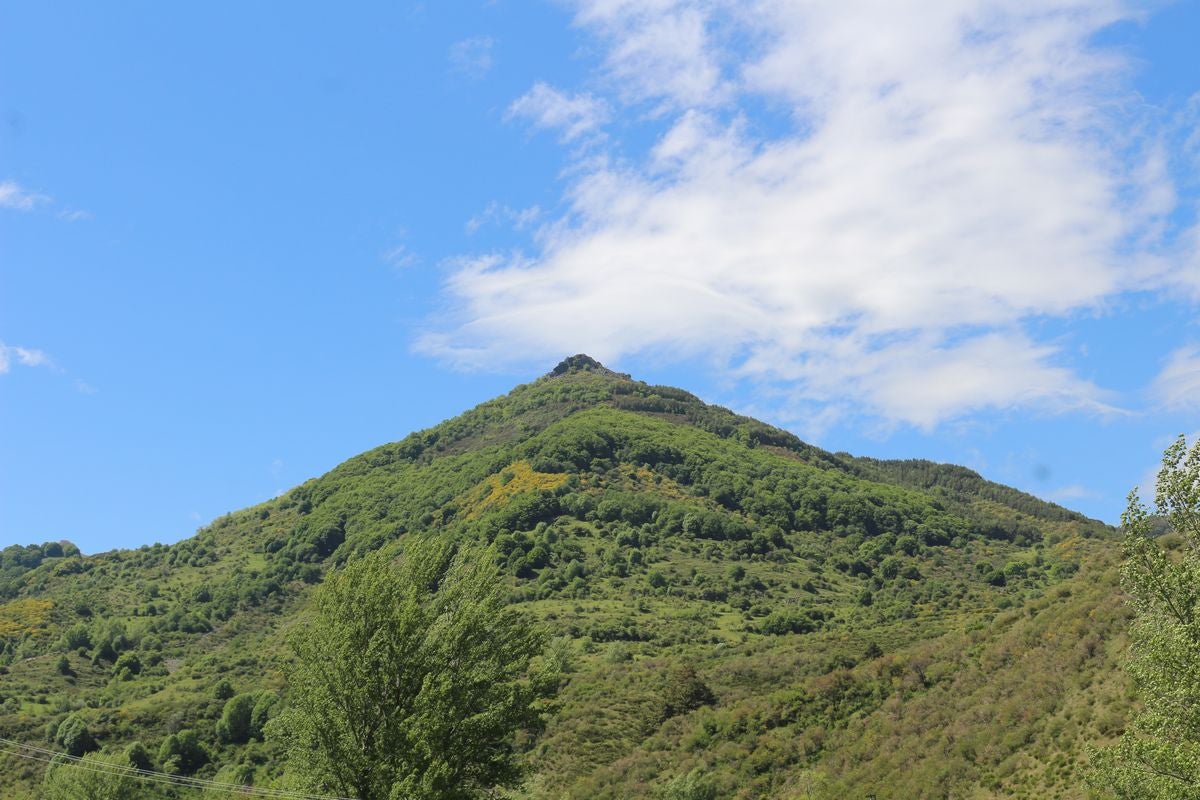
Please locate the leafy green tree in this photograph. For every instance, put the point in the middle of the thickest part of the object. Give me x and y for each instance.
(74, 736)
(1159, 754)
(137, 756)
(127, 665)
(235, 724)
(684, 692)
(97, 777)
(692, 786)
(412, 681)
(77, 636)
(182, 753)
(264, 708)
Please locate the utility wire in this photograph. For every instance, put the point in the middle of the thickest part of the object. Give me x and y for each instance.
(35, 753)
(44, 755)
(165, 778)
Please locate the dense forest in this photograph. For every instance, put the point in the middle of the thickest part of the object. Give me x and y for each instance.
(728, 611)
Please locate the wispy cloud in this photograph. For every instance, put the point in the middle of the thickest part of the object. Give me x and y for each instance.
(1177, 386)
(1075, 491)
(927, 184)
(16, 198)
(400, 257)
(663, 50)
(572, 115)
(22, 356)
(500, 213)
(472, 57)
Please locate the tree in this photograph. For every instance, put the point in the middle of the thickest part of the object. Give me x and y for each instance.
(95, 778)
(182, 754)
(692, 786)
(412, 681)
(137, 756)
(74, 736)
(244, 716)
(264, 707)
(1159, 754)
(235, 723)
(684, 692)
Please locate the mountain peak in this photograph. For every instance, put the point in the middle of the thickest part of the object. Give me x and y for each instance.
(582, 362)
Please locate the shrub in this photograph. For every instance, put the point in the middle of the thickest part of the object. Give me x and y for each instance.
(684, 692)
(182, 754)
(74, 737)
(236, 723)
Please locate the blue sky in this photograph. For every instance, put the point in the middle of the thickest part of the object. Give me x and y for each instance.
(241, 243)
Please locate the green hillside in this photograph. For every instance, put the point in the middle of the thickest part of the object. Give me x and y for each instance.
(738, 613)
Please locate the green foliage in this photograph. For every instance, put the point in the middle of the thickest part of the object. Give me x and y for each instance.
(644, 530)
(684, 692)
(77, 636)
(955, 483)
(110, 638)
(74, 737)
(692, 786)
(244, 716)
(265, 705)
(138, 757)
(127, 665)
(1159, 755)
(411, 682)
(98, 777)
(792, 620)
(17, 560)
(183, 753)
(236, 720)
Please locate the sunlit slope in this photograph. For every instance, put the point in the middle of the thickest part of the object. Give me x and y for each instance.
(901, 628)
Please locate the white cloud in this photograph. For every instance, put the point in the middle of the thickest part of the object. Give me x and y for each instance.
(24, 356)
(400, 257)
(924, 381)
(947, 172)
(500, 213)
(1177, 386)
(659, 50)
(472, 57)
(1075, 491)
(548, 108)
(15, 198)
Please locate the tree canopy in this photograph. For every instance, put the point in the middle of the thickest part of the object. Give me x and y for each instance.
(412, 680)
(1159, 755)
(97, 777)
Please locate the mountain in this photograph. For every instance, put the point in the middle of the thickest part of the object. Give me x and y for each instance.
(738, 613)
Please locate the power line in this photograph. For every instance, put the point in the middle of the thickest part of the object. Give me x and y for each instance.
(35, 753)
(182, 781)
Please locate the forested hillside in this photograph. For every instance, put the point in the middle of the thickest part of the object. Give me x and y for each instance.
(734, 613)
